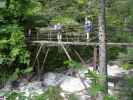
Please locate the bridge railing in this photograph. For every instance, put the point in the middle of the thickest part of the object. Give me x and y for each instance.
(59, 36)
(71, 33)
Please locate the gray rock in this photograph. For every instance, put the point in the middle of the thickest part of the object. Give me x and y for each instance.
(33, 88)
(115, 70)
(53, 79)
(72, 85)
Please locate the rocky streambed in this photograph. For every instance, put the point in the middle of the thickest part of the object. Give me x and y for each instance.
(67, 84)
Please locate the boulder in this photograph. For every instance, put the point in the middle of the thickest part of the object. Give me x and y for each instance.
(72, 85)
(53, 79)
(115, 70)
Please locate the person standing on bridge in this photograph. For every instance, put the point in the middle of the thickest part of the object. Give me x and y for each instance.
(29, 34)
(88, 28)
(58, 27)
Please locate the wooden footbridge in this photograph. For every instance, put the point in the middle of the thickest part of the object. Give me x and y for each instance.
(67, 36)
(47, 37)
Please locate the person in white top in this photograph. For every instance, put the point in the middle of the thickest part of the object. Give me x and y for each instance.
(58, 27)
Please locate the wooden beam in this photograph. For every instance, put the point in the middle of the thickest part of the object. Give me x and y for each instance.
(38, 52)
(64, 43)
(78, 55)
(69, 57)
(44, 59)
(95, 58)
(56, 43)
(120, 44)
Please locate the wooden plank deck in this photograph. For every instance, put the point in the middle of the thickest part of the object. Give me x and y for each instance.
(43, 42)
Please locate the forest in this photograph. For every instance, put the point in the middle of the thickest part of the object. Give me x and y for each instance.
(66, 50)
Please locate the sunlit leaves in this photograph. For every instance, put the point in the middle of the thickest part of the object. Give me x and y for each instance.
(13, 42)
(16, 38)
(2, 4)
(108, 97)
(81, 1)
(126, 59)
(73, 64)
(52, 93)
(95, 88)
(14, 52)
(24, 56)
(64, 20)
(3, 43)
(93, 75)
(33, 7)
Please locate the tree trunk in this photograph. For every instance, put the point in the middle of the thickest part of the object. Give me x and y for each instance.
(102, 48)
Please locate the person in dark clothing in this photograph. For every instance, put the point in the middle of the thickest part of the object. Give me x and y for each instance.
(87, 28)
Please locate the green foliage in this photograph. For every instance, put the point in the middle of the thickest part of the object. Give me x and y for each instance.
(126, 59)
(13, 50)
(13, 95)
(108, 97)
(2, 3)
(64, 20)
(13, 42)
(126, 88)
(93, 75)
(72, 97)
(119, 24)
(16, 15)
(66, 12)
(18, 72)
(14, 76)
(3, 78)
(53, 93)
(33, 7)
(73, 12)
(73, 64)
(95, 86)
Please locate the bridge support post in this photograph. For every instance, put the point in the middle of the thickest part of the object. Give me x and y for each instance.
(95, 58)
(87, 37)
(59, 37)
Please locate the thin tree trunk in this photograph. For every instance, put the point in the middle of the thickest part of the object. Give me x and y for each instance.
(102, 48)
